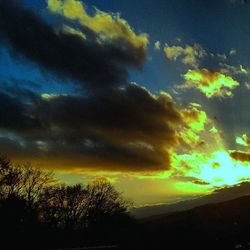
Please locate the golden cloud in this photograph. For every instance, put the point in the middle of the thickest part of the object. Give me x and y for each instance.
(189, 54)
(110, 26)
(210, 83)
(194, 123)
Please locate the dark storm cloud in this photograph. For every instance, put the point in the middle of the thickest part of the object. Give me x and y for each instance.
(123, 129)
(91, 63)
(14, 115)
(128, 109)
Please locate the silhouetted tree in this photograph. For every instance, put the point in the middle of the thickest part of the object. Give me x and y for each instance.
(32, 205)
(10, 178)
(107, 215)
(79, 207)
(104, 201)
(23, 181)
(33, 183)
(64, 206)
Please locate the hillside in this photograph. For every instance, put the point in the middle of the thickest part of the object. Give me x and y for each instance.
(224, 225)
(218, 195)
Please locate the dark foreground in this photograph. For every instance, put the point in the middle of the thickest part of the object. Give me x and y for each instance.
(215, 226)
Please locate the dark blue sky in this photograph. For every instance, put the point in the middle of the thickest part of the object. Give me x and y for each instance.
(216, 25)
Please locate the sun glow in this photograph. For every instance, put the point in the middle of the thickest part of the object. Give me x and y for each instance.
(217, 169)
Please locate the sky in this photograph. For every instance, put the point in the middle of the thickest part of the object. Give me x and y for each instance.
(151, 95)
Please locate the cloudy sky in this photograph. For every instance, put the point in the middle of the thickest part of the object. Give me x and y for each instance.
(152, 95)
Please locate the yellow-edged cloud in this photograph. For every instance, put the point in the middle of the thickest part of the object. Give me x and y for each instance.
(157, 45)
(47, 96)
(233, 70)
(195, 118)
(243, 70)
(210, 83)
(189, 54)
(194, 123)
(70, 30)
(172, 52)
(108, 26)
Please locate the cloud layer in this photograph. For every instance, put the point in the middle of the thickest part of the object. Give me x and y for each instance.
(68, 54)
(122, 129)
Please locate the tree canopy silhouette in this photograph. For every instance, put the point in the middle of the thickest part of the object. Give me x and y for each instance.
(33, 203)
(23, 181)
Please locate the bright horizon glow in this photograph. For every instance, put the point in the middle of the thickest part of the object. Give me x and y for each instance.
(216, 170)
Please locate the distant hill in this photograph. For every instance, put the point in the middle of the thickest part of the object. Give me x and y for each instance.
(224, 225)
(219, 195)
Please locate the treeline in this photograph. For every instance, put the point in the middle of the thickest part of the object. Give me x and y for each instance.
(38, 213)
